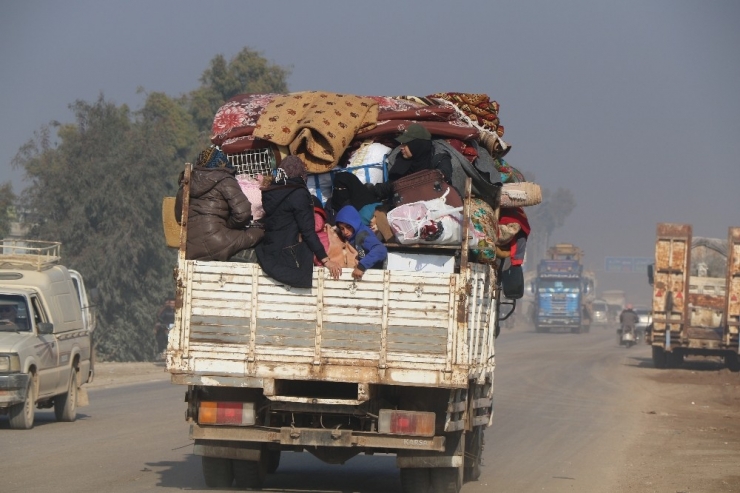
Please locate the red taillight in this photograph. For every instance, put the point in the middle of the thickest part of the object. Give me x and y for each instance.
(415, 423)
(226, 413)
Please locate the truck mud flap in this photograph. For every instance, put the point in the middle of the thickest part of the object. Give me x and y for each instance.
(311, 437)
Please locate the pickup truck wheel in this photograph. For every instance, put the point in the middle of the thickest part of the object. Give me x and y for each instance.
(659, 357)
(217, 472)
(65, 405)
(273, 461)
(446, 479)
(416, 480)
(250, 474)
(21, 415)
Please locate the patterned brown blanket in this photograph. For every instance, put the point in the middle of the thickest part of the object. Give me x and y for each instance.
(316, 126)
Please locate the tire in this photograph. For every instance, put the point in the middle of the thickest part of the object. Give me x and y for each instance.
(660, 360)
(575, 330)
(473, 454)
(21, 415)
(674, 359)
(446, 479)
(732, 362)
(416, 480)
(65, 405)
(273, 461)
(217, 472)
(250, 474)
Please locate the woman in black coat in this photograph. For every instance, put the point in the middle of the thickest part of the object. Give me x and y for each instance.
(219, 212)
(290, 242)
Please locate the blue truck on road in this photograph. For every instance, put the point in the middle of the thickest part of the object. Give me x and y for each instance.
(561, 289)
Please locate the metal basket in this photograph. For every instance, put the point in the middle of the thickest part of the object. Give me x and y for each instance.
(253, 162)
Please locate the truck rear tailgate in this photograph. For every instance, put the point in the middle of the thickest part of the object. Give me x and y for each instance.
(392, 327)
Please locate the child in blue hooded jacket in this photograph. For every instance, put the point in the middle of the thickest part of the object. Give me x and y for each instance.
(370, 251)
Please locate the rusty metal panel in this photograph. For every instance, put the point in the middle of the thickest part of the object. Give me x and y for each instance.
(671, 272)
(732, 292)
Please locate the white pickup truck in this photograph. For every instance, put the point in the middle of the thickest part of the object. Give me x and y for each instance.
(46, 326)
(400, 362)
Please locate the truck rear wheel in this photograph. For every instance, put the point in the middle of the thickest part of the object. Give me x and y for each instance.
(674, 359)
(473, 454)
(446, 479)
(21, 415)
(217, 472)
(416, 480)
(250, 473)
(732, 362)
(660, 360)
(65, 405)
(273, 460)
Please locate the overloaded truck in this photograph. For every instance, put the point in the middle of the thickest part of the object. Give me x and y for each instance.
(400, 362)
(696, 303)
(562, 291)
(46, 326)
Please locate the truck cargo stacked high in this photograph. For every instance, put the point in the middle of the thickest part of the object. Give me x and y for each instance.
(398, 362)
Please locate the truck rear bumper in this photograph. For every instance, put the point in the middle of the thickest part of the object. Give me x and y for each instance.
(311, 437)
(13, 388)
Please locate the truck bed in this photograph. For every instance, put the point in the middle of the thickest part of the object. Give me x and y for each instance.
(236, 326)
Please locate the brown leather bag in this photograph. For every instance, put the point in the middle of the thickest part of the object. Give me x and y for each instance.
(339, 250)
(427, 184)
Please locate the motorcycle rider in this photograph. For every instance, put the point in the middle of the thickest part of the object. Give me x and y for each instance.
(628, 319)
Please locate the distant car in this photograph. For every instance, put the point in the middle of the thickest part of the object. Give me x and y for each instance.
(599, 312)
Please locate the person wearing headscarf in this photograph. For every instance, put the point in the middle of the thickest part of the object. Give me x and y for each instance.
(349, 190)
(416, 153)
(218, 212)
(290, 242)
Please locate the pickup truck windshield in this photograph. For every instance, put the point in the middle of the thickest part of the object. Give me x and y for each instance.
(13, 314)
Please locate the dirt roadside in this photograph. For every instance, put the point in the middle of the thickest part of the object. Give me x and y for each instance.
(687, 437)
(108, 375)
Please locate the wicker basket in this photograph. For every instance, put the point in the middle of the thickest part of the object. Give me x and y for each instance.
(520, 194)
(169, 222)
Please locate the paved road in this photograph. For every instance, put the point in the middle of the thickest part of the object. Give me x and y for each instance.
(560, 421)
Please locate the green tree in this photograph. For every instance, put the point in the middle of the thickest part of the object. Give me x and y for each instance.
(7, 200)
(247, 72)
(97, 186)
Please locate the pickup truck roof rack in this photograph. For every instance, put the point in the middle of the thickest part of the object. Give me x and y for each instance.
(29, 254)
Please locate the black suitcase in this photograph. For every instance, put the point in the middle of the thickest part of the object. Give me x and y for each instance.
(427, 184)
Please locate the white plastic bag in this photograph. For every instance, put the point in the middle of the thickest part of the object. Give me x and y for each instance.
(427, 221)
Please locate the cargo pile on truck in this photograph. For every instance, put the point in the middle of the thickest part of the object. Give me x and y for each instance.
(398, 362)
(696, 308)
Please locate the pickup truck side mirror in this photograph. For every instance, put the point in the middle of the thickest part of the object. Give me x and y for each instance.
(651, 273)
(46, 328)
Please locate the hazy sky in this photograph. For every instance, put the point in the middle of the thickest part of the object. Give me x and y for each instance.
(632, 105)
